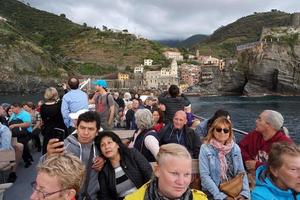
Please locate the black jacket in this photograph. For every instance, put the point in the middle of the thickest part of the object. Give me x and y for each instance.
(135, 166)
(191, 140)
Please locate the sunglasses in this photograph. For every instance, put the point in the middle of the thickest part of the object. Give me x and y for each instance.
(225, 130)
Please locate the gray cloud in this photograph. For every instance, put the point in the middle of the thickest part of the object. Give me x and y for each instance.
(161, 19)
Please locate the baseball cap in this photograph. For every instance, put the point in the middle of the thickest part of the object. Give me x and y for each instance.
(101, 83)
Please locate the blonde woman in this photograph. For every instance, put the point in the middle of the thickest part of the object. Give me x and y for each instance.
(172, 177)
(51, 116)
(220, 160)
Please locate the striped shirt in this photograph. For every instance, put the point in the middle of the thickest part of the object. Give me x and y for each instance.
(124, 185)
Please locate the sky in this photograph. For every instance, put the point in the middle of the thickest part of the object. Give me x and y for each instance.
(161, 19)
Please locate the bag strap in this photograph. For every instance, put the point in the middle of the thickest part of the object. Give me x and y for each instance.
(88, 172)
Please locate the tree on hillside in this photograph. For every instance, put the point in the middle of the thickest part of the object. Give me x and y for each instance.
(63, 15)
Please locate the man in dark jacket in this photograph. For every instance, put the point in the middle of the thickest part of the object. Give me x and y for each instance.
(173, 102)
(178, 132)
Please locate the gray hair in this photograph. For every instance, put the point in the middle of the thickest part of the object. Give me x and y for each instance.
(127, 95)
(143, 119)
(275, 119)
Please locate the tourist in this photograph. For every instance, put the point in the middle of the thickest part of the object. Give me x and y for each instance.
(256, 145)
(220, 160)
(202, 129)
(51, 116)
(173, 101)
(5, 137)
(172, 178)
(130, 115)
(280, 178)
(73, 101)
(145, 138)
(157, 117)
(104, 104)
(21, 127)
(125, 169)
(36, 124)
(81, 144)
(58, 177)
(178, 132)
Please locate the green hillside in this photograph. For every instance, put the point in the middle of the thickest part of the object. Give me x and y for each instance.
(223, 41)
(77, 47)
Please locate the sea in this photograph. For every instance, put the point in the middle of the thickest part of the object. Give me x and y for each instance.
(243, 110)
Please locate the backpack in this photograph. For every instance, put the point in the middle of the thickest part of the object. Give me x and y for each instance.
(116, 106)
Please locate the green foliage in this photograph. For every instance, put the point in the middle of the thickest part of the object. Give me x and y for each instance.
(94, 69)
(246, 29)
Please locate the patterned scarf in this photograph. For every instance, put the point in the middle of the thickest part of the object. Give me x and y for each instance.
(153, 194)
(223, 150)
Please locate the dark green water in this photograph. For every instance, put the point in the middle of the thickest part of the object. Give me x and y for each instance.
(244, 110)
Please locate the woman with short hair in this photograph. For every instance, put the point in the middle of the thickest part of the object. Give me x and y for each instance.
(172, 178)
(125, 169)
(145, 138)
(220, 160)
(58, 177)
(280, 179)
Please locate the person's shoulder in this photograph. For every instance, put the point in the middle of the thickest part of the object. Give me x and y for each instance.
(262, 193)
(198, 195)
(138, 194)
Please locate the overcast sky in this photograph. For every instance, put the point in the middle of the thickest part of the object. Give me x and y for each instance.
(162, 19)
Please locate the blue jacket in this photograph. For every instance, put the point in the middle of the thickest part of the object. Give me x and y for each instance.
(265, 189)
(210, 170)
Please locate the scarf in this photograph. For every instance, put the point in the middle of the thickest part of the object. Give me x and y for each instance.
(153, 194)
(222, 151)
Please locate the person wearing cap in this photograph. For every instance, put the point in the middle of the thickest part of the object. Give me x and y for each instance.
(73, 101)
(104, 104)
(256, 145)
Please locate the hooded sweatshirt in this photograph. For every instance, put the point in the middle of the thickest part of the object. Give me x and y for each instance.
(82, 151)
(254, 147)
(266, 190)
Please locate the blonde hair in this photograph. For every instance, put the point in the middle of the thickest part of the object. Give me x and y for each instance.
(172, 149)
(219, 120)
(51, 94)
(68, 169)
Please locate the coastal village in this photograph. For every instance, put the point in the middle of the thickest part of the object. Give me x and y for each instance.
(184, 74)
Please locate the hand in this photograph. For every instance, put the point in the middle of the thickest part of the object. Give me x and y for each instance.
(64, 86)
(98, 163)
(250, 165)
(12, 126)
(54, 147)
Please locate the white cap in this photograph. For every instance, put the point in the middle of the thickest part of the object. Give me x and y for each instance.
(74, 116)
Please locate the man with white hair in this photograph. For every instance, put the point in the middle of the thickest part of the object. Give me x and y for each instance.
(256, 145)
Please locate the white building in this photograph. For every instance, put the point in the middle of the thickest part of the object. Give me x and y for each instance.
(163, 78)
(173, 55)
(148, 62)
(139, 69)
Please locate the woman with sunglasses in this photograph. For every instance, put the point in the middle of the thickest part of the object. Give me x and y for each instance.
(220, 160)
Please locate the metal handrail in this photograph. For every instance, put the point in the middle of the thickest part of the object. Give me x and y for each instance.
(234, 129)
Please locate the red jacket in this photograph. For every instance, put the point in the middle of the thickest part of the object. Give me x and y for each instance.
(254, 147)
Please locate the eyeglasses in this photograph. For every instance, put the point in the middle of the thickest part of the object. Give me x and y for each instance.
(225, 130)
(41, 194)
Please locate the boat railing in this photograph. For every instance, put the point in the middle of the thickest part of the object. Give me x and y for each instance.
(234, 129)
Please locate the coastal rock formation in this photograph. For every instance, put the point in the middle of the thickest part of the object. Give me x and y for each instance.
(25, 68)
(273, 69)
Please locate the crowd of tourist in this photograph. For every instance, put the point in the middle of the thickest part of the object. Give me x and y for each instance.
(82, 157)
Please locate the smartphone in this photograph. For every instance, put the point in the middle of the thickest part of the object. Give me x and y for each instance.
(59, 134)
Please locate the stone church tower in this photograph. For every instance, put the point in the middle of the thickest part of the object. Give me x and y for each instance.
(174, 68)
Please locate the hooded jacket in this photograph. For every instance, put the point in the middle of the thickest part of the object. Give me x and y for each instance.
(253, 145)
(82, 151)
(266, 190)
